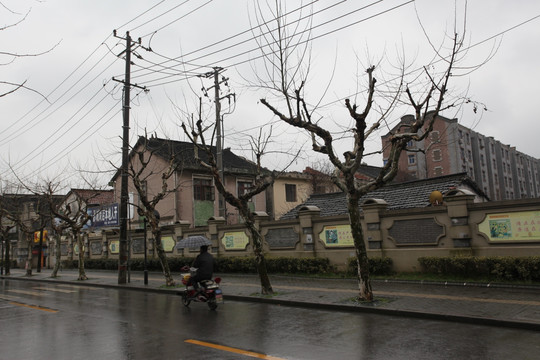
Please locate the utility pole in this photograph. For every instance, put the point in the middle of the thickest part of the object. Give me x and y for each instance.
(219, 141)
(124, 196)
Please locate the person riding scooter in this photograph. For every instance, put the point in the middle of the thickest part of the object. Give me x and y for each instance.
(204, 262)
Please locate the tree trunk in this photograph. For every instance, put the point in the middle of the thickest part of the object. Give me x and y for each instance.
(7, 260)
(266, 286)
(29, 259)
(82, 274)
(364, 283)
(57, 255)
(162, 257)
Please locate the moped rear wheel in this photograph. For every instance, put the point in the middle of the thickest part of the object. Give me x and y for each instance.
(185, 299)
(212, 304)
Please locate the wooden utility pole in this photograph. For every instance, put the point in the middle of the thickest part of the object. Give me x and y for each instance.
(219, 134)
(124, 195)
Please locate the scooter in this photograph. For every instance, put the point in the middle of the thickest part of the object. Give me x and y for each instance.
(208, 291)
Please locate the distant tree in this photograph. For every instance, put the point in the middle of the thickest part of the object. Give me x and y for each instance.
(59, 227)
(71, 216)
(6, 225)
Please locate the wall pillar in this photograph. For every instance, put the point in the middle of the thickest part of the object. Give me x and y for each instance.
(179, 229)
(214, 223)
(305, 216)
(105, 245)
(373, 233)
(460, 231)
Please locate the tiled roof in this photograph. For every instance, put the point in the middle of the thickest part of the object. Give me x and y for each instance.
(95, 197)
(185, 156)
(412, 194)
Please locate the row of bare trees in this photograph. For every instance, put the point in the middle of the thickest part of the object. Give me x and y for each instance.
(287, 82)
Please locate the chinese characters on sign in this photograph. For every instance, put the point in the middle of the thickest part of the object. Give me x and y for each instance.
(518, 226)
(105, 215)
(338, 235)
(235, 240)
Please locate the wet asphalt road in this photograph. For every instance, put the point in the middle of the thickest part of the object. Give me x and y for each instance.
(62, 321)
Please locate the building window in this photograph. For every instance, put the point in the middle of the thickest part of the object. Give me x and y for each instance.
(203, 189)
(412, 159)
(438, 171)
(434, 136)
(437, 155)
(469, 155)
(243, 187)
(290, 192)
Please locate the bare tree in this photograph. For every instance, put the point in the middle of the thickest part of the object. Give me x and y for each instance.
(425, 99)
(74, 217)
(6, 225)
(8, 57)
(59, 227)
(263, 180)
(139, 172)
(19, 211)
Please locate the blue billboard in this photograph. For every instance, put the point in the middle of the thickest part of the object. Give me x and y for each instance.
(104, 215)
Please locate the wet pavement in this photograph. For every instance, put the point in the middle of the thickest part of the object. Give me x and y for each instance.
(481, 304)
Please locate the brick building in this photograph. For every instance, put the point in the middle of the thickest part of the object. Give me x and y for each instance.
(502, 172)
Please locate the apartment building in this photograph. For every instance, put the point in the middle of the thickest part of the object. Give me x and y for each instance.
(500, 170)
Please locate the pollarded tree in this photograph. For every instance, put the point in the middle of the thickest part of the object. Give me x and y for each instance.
(73, 216)
(6, 225)
(139, 171)
(288, 84)
(263, 181)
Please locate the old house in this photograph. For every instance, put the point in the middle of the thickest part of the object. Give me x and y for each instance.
(191, 194)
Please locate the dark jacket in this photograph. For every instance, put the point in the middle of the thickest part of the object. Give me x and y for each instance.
(204, 262)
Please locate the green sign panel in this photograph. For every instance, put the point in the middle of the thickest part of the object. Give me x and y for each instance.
(337, 235)
(235, 240)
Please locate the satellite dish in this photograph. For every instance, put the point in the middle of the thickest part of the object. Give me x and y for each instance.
(436, 198)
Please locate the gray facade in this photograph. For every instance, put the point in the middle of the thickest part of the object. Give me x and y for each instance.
(501, 171)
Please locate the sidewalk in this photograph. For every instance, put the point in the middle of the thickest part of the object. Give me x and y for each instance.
(485, 304)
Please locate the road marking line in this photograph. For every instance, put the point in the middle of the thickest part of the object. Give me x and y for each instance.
(26, 292)
(233, 350)
(35, 307)
(55, 290)
(8, 297)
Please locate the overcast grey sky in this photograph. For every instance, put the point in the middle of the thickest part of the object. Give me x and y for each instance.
(79, 122)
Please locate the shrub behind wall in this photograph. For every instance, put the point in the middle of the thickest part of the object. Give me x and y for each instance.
(497, 268)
